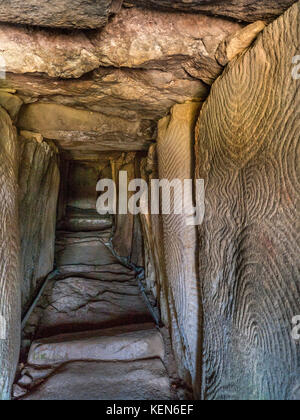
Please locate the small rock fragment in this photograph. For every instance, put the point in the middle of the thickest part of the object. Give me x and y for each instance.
(11, 103)
(18, 391)
(239, 42)
(29, 135)
(25, 380)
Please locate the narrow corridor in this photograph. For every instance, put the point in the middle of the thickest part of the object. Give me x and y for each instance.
(108, 346)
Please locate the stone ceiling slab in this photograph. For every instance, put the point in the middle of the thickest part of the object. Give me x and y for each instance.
(132, 39)
(245, 10)
(105, 90)
(83, 130)
(131, 94)
(57, 13)
(150, 39)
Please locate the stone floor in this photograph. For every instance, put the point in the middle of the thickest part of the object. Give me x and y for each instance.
(95, 338)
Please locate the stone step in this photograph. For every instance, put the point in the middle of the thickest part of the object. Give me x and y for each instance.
(78, 220)
(81, 224)
(110, 272)
(81, 304)
(83, 250)
(127, 343)
(71, 237)
(86, 381)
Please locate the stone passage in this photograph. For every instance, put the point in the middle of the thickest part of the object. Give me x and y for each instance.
(203, 91)
(94, 336)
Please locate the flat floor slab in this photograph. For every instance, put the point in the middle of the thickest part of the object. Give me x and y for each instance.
(112, 272)
(127, 343)
(80, 304)
(88, 381)
(82, 250)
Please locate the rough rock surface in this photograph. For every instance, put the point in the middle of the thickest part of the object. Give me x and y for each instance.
(130, 73)
(155, 276)
(133, 39)
(88, 298)
(74, 249)
(148, 39)
(134, 94)
(87, 14)
(248, 155)
(11, 103)
(138, 380)
(10, 279)
(247, 10)
(79, 304)
(123, 234)
(39, 184)
(238, 43)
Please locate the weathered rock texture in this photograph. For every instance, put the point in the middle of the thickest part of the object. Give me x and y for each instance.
(152, 228)
(138, 380)
(171, 269)
(39, 185)
(133, 39)
(10, 284)
(82, 130)
(11, 103)
(131, 73)
(237, 43)
(89, 298)
(248, 155)
(79, 304)
(115, 344)
(59, 14)
(134, 94)
(82, 248)
(89, 14)
(123, 235)
(182, 293)
(248, 10)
